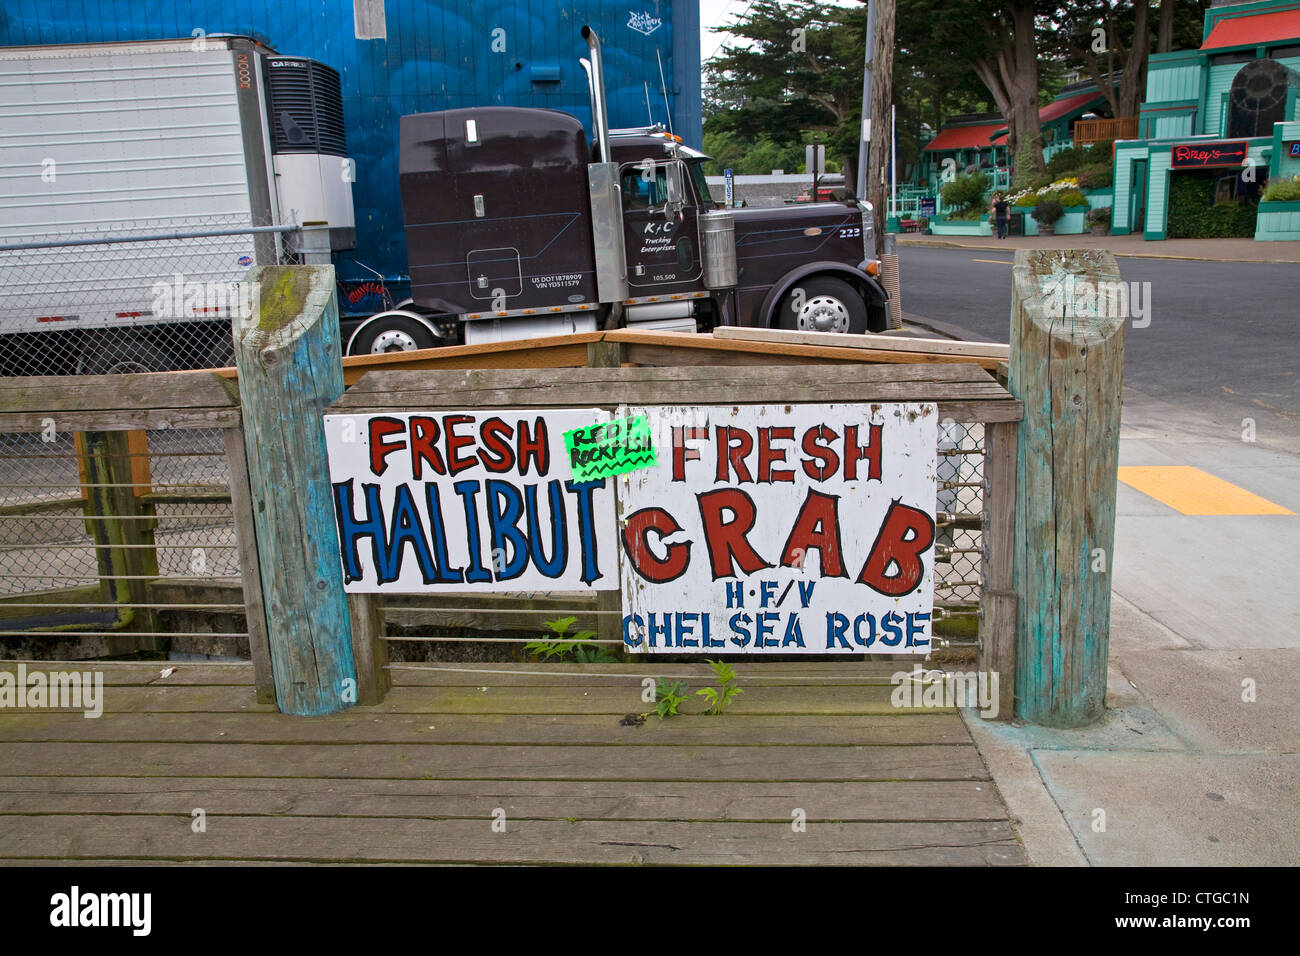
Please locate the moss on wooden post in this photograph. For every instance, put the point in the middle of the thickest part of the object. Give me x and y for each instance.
(1066, 366)
(290, 370)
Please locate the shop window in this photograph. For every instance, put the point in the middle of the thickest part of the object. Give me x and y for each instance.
(1258, 98)
(1225, 188)
(1237, 56)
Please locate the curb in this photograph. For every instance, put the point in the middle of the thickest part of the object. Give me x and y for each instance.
(1126, 255)
(1035, 816)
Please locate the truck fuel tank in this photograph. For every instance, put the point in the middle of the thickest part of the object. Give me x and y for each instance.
(718, 236)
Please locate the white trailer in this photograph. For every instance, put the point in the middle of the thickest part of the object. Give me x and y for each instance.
(153, 138)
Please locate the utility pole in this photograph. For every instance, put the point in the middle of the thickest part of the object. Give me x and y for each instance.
(882, 97)
(864, 143)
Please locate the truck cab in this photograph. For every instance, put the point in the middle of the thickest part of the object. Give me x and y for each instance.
(519, 225)
(826, 244)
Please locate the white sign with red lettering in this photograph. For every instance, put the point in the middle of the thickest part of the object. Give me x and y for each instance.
(781, 530)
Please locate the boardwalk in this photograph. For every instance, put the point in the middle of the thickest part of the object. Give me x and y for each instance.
(423, 777)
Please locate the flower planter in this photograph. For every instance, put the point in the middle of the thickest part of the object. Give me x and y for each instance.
(1278, 221)
(960, 227)
(1072, 222)
(1100, 198)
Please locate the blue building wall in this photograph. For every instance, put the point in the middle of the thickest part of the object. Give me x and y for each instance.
(437, 54)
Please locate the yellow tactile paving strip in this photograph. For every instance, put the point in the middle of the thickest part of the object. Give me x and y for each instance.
(1194, 492)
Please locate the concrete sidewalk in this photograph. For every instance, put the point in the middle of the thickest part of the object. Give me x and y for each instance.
(1196, 763)
(1212, 250)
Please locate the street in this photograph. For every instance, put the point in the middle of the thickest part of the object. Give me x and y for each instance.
(1205, 614)
(1220, 345)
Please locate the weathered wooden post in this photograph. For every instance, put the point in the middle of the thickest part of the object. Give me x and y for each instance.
(1066, 366)
(114, 467)
(290, 370)
(609, 604)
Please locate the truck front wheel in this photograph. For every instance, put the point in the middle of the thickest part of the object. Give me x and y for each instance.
(823, 304)
(391, 332)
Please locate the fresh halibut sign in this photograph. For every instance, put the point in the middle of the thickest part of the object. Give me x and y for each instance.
(468, 501)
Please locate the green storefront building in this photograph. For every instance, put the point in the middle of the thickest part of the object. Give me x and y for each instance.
(1218, 123)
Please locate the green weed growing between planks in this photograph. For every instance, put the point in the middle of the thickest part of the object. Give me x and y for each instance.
(719, 697)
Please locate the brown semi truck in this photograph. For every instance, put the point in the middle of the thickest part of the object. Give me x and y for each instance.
(517, 225)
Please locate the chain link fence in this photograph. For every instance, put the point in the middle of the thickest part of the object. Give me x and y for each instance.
(146, 296)
(111, 542)
(958, 580)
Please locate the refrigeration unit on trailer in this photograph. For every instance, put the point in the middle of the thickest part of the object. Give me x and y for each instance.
(153, 139)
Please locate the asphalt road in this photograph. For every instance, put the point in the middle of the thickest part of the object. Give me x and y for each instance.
(1221, 341)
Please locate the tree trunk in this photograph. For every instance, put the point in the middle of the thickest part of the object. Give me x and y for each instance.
(1024, 88)
(1133, 83)
(1011, 77)
(1165, 40)
(882, 95)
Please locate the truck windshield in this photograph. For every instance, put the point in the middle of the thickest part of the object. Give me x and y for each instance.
(701, 184)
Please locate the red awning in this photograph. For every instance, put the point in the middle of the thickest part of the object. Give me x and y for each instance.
(1259, 28)
(1058, 108)
(966, 137)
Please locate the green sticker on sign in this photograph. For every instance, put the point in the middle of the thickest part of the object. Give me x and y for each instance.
(612, 448)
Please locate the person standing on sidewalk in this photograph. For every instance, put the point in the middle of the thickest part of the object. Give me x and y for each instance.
(1000, 210)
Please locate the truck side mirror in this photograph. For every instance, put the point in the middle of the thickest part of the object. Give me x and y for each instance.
(676, 190)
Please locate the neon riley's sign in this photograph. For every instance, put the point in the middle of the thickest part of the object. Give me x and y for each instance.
(1208, 155)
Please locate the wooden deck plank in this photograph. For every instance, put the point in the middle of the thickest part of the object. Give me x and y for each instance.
(890, 343)
(497, 762)
(132, 673)
(692, 385)
(503, 699)
(525, 841)
(484, 729)
(931, 800)
(416, 779)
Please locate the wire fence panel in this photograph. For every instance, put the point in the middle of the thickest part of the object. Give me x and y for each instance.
(961, 482)
(117, 543)
(133, 297)
(91, 534)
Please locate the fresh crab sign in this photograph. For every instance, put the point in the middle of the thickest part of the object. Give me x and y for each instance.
(782, 529)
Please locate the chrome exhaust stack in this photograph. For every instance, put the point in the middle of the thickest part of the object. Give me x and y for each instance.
(606, 199)
(596, 79)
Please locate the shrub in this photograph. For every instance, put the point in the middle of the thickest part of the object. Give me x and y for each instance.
(1028, 198)
(1283, 190)
(1025, 170)
(1067, 160)
(1071, 198)
(1194, 215)
(1098, 154)
(1046, 213)
(1097, 176)
(966, 190)
(1098, 217)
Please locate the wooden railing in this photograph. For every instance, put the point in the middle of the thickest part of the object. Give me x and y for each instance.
(1104, 130)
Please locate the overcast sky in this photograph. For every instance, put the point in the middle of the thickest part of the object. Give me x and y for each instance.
(717, 13)
(720, 13)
